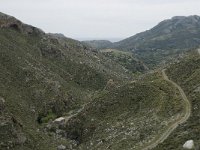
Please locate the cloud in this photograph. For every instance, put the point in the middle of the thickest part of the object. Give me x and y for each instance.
(97, 18)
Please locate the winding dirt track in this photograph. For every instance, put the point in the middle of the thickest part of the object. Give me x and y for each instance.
(181, 120)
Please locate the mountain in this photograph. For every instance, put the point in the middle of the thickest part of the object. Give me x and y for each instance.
(98, 44)
(59, 93)
(42, 77)
(168, 38)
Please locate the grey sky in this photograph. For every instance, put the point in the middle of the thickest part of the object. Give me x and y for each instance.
(98, 19)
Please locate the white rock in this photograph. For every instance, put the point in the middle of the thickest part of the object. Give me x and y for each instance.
(59, 120)
(189, 144)
(61, 147)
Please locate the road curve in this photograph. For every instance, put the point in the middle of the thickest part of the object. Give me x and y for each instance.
(181, 120)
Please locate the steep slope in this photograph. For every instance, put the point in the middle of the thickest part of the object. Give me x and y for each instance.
(43, 77)
(168, 38)
(127, 117)
(98, 44)
(186, 73)
(126, 59)
(182, 119)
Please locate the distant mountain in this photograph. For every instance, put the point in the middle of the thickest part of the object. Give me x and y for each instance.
(99, 44)
(168, 38)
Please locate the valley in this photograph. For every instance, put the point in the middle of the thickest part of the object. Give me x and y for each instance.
(58, 93)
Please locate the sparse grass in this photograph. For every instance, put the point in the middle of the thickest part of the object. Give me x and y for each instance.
(47, 84)
(127, 117)
(42, 78)
(186, 73)
(126, 59)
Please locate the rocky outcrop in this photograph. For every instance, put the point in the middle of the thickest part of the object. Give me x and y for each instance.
(2, 105)
(7, 21)
(51, 52)
(59, 120)
(189, 144)
(12, 137)
(61, 147)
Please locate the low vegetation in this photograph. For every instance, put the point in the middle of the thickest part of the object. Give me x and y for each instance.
(186, 73)
(127, 117)
(126, 59)
(168, 39)
(43, 77)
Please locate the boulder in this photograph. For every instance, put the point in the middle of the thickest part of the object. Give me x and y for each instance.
(189, 144)
(59, 120)
(61, 147)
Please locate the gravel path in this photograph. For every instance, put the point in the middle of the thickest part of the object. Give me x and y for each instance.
(181, 120)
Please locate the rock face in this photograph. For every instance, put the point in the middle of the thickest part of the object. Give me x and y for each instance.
(189, 144)
(56, 127)
(11, 22)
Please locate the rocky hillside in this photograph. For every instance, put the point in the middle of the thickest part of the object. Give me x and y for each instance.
(126, 59)
(186, 73)
(42, 77)
(127, 117)
(168, 38)
(58, 93)
(98, 44)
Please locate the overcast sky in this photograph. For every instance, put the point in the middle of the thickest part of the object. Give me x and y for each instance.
(97, 19)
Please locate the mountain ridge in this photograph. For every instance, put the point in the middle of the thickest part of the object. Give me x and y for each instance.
(161, 43)
(167, 39)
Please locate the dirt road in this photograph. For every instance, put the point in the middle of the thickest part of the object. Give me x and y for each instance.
(181, 120)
